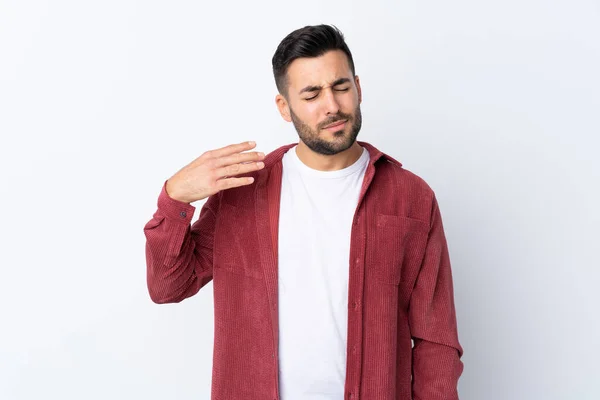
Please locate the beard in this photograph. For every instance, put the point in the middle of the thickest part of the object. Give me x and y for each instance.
(341, 141)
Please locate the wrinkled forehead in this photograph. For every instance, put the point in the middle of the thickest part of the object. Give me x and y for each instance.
(318, 71)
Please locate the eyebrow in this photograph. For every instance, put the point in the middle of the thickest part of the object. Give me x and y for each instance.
(317, 88)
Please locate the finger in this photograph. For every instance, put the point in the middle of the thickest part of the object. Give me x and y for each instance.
(238, 169)
(231, 149)
(229, 183)
(239, 158)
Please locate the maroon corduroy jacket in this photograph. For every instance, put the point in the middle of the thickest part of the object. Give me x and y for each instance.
(400, 284)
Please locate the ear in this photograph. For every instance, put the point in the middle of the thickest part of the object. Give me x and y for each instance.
(283, 107)
(357, 82)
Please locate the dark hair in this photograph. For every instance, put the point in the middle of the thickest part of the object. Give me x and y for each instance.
(310, 41)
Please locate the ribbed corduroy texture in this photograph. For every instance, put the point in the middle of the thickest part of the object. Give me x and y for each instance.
(400, 284)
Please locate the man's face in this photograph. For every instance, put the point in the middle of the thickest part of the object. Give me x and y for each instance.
(323, 102)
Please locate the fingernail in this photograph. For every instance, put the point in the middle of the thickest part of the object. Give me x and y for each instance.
(251, 143)
(261, 154)
(260, 164)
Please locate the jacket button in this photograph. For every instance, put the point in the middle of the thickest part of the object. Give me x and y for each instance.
(183, 214)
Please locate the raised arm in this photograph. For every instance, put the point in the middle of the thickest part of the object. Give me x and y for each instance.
(179, 257)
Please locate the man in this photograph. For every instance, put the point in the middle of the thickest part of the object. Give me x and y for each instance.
(328, 259)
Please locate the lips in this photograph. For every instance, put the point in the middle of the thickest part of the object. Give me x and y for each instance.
(336, 124)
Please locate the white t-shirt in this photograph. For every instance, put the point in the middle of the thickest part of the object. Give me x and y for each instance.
(315, 221)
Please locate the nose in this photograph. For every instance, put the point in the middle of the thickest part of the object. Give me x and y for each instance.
(331, 104)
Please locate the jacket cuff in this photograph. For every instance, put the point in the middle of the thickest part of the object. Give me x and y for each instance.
(174, 209)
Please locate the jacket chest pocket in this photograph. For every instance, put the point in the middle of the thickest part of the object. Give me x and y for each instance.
(398, 243)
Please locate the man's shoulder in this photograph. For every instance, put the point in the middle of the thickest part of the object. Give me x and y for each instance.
(399, 191)
(408, 176)
(399, 175)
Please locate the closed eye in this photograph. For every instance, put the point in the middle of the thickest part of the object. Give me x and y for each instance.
(337, 90)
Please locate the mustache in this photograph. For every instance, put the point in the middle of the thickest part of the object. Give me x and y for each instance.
(334, 119)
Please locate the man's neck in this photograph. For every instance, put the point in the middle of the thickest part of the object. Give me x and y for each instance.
(322, 162)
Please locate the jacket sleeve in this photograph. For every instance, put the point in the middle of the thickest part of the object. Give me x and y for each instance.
(436, 363)
(179, 256)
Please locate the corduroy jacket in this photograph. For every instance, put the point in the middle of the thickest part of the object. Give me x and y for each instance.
(400, 284)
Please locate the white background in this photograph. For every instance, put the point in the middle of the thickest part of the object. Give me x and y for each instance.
(495, 104)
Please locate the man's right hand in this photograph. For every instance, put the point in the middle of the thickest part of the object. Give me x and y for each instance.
(213, 171)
